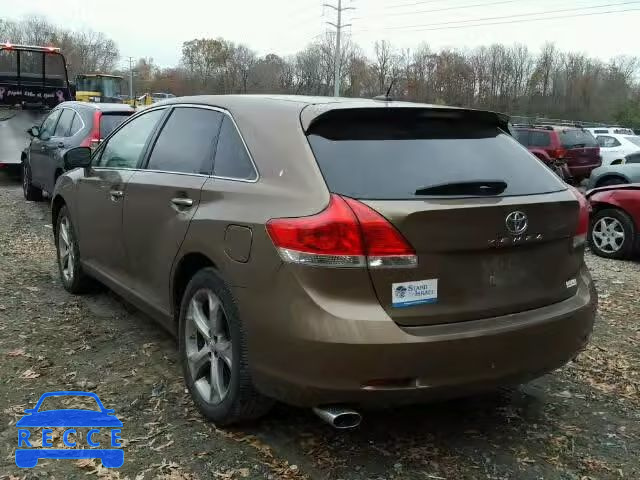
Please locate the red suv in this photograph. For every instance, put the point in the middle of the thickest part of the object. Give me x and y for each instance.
(574, 145)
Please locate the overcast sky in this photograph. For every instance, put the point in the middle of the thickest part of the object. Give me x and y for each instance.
(149, 28)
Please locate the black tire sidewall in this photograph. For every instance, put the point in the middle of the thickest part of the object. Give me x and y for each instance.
(222, 413)
(30, 192)
(629, 233)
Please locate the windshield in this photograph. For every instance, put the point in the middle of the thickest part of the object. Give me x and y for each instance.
(106, 86)
(61, 402)
(394, 155)
(635, 140)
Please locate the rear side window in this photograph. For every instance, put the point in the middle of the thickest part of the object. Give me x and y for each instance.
(76, 125)
(232, 159)
(577, 139)
(64, 124)
(540, 139)
(109, 122)
(186, 142)
(394, 153)
(608, 142)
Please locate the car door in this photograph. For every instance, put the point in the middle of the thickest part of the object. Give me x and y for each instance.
(610, 149)
(162, 198)
(102, 189)
(54, 148)
(39, 145)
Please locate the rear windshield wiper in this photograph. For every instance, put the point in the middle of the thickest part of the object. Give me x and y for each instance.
(473, 187)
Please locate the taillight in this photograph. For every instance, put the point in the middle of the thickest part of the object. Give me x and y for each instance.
(559, 153)
(580, 237)
(345, 234)
(93, 140)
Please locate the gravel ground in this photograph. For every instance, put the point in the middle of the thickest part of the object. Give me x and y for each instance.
(582, 422)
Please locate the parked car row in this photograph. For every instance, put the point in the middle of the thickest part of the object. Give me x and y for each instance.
(331, 253)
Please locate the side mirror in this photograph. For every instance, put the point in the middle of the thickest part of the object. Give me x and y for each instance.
(79, 157)
(34, 131)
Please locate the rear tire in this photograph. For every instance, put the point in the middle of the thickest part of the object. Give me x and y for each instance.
(73, 278)
(31, 193)
(612, 234)
(213, 352)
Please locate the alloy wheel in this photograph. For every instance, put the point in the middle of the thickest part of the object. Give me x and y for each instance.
(208, 346)
(65, 249)
(608, 234)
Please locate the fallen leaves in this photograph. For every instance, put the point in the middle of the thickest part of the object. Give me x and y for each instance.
(18, 352)
(29, 374)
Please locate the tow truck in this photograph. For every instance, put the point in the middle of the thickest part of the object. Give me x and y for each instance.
(33, 79)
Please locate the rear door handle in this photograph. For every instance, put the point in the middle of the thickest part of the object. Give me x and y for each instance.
(182, 202)
(116, 195)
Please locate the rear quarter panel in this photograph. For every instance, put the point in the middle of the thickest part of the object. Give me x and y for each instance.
(624, 199)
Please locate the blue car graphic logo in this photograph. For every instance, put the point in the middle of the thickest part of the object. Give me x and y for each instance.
(68, 419)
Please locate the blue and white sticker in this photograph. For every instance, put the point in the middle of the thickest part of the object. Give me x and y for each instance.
(408, 294)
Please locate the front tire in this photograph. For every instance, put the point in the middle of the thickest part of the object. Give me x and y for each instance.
(612, 234)
(73, 278)
(213, 352)
(30, 192)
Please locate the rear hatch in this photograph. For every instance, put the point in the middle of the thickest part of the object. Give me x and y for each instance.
(582, 149)
(492, 228)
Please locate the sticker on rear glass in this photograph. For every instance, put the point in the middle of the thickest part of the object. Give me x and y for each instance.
(408, 294)
(572, 283)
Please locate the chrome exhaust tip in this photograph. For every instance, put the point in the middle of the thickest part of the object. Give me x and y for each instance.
(339, 417)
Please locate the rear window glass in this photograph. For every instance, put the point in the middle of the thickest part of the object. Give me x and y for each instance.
(109, 121)
(392, 154)
(577, 139)
(634, 140)
(522, 136)
(540, 139)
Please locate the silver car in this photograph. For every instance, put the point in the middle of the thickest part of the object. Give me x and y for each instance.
(627, 172)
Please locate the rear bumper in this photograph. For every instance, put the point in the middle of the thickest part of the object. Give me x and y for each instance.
(582, 171)
(374, 361)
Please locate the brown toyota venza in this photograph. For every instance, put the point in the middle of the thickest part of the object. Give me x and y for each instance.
(331, 253)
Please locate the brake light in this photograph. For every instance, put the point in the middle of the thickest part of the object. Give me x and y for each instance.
(93, 140)
(345, 234)
(8, 46)
(559, 153)
(580, 237)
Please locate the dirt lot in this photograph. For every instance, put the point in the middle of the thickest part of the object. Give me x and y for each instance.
(582, 422)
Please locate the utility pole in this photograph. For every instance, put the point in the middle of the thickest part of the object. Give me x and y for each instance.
(337, 60)
(131, 78)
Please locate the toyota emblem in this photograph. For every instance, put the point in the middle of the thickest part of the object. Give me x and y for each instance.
(516, 223)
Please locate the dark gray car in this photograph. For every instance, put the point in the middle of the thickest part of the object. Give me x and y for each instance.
(69, 125)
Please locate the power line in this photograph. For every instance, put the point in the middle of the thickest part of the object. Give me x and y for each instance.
(507, 17)
(459, 7)
(404, 5)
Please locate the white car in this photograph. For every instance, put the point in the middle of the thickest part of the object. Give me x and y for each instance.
(595, 131)
(615, 147)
